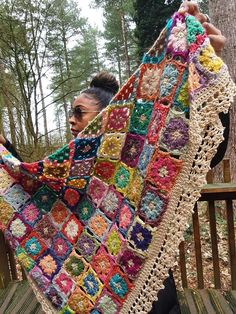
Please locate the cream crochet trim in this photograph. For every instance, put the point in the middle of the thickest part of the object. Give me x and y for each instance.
(206, 133)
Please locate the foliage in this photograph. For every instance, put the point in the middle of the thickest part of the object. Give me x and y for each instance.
(150, 17)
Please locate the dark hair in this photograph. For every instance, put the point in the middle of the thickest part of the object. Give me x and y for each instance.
(103, 87)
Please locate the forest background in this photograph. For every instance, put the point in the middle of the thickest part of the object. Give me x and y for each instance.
(49, 52)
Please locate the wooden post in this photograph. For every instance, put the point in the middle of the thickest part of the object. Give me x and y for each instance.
(182, 264)
(198, 249)
(230, 226)
(5, 275)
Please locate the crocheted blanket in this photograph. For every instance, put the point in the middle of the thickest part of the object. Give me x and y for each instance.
(96, 224)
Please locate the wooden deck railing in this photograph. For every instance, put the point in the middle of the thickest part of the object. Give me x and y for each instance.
(213, 192)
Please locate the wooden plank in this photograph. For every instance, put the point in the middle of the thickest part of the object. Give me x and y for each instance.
(21, 301)
(182, 265)
(190, 301)
(214, 245)
(198, 250)
(183, 304)
(5, 275)
(198, 302)
(219, 188)
(219, 302)
(231, 298)
(206, 300)
(230, 226)
(8, 298)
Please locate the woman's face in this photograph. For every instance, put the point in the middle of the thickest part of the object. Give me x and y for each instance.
(84, 109)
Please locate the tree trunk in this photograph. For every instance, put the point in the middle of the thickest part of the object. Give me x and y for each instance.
(124, 35)
(222, 14)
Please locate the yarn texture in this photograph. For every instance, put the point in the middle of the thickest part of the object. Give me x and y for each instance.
(96, 224)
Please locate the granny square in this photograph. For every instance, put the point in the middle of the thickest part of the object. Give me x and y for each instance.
(140, 117)
(44, 198)
(86, 148)
(132, 149)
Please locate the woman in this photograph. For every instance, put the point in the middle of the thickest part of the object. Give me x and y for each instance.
(92, 100)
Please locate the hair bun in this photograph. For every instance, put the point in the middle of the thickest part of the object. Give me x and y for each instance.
(105, 81)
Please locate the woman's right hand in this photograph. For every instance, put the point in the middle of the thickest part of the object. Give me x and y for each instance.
(2, 139)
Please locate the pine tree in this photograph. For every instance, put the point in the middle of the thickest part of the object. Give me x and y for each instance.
(150, 17)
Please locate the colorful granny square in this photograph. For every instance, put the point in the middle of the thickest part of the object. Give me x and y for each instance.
(59, 213)
(97, 190)
(136, 187)
(5, 181)
(55, 297)
(16, 196)
(81, 168)
(140, 117)
(13, 242)
(123, 177)
(61, 247)
(96, 127)
(27, 262)
(56, 170)
(99, 225)
(85, 148)
(163, 170)
(33, 245)
(102, 263)
(132, 149)
(111, 202)
(37, 275)
(126, 90)
(175, 136)
(31, 214)
(70, 197)
(75, 265)
(130, 262)
(44, 198)
(6, 211)
(118, 284)
(111, 145)
(61, 155)
(145, 158)
(18, 228)
(149, 79)
(152, 205)
(45, 229)
(84, 210)
(140, 235)
(91, 284)
(105, 169)
(118, 118)
(72, 229)
(157, 122)
(79, 302)
(48, 264)
(87, 245)
(78, 183)
(125, 217)
(64, 283)
(107, 301)
(114, 241)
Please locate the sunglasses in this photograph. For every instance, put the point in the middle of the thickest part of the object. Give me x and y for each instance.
(78, 113)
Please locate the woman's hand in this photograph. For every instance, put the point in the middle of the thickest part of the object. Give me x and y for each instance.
(2, 139)
(216, 38)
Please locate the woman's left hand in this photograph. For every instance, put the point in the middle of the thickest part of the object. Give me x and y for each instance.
(216, 38)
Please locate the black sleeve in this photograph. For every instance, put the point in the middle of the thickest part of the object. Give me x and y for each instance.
(224, 117)
(12, 150)
(167, 298)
